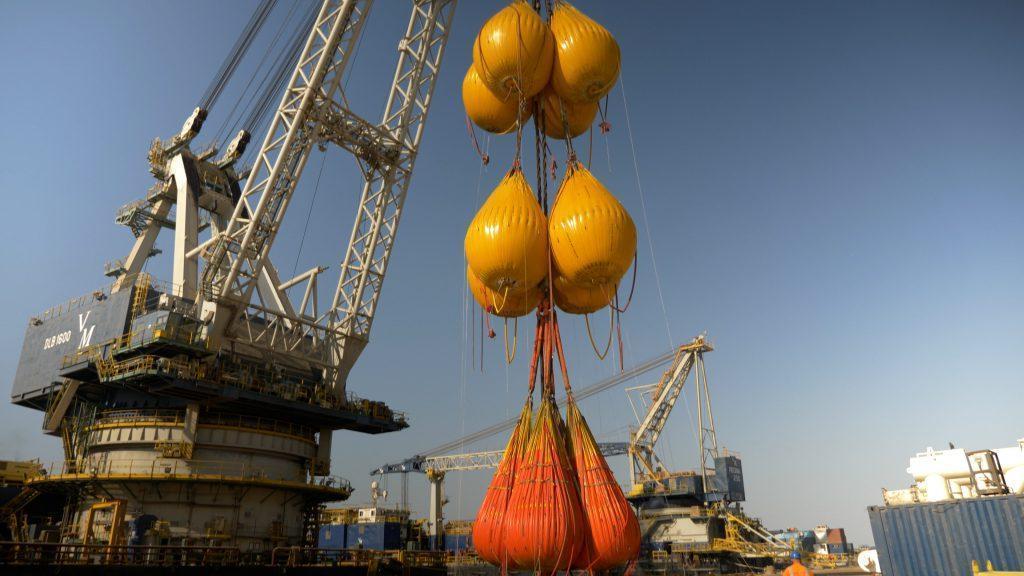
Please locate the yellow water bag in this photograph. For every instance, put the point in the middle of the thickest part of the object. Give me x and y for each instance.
(514, 51)
(487, 110)
(593, 238)
(576, 299)
(507, 241)
(507, 304)
(587, 57)
(577, 117)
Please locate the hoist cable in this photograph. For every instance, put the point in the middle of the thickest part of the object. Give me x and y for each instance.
(274, 83)
(271, 49)
(647, 229)
(230, 64)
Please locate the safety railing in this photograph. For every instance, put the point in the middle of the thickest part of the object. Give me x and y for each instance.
(177, 469)
(47, 553)
(250, 377)
(828, 561)
(105, 350)
(464, 558)
(172, 418)
(256, 380)
(296, 556)
(102, 293)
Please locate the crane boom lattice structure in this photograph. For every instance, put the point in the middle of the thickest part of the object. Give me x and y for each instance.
(662, 397)
(314, 110)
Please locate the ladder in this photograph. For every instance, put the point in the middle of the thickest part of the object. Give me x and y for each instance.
(76, 433)
(312, 516)
(59, 404)
(142, 284)
(20, 500)
(987, 473)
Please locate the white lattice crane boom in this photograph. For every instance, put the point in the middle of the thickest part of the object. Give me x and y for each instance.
(645, 463)
(312, 111)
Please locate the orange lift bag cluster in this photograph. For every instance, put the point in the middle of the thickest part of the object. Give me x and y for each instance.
(612, 525)
(489, 527)
(544, 523)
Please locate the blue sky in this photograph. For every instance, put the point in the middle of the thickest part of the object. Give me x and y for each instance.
(833, 192)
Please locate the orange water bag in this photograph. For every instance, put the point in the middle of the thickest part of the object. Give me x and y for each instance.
(587, 58)
(593, 238)
(487, 110)
(489, 527)
(563, 118)
(544, 523)
(507, 243)
(614, 533)
(514, 52)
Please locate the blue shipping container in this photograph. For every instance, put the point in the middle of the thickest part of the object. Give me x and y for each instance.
(376, 536)
(943, 538)
(458, 542)
(332, 537)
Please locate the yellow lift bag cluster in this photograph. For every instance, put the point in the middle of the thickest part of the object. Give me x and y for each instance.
(589, 241)
(570, 64)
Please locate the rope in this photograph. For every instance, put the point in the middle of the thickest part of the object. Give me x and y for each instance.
(561, 355)
(643, 207)
(618, 331)
(632, 288)
(504, 300)
(605, 125)
(509, 357)
(490, 333)
(606, 128)
(309, 214)
(590, 146)
(472, 327)
(593, 344)
(538, 336)
(484, 158)
(650, 242)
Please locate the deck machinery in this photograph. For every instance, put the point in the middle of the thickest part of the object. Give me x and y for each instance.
(199, 412)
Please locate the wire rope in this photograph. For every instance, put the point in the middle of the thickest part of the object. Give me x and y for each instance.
(650, 240)
(221, 131)
(234, 57)
(309, 214)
